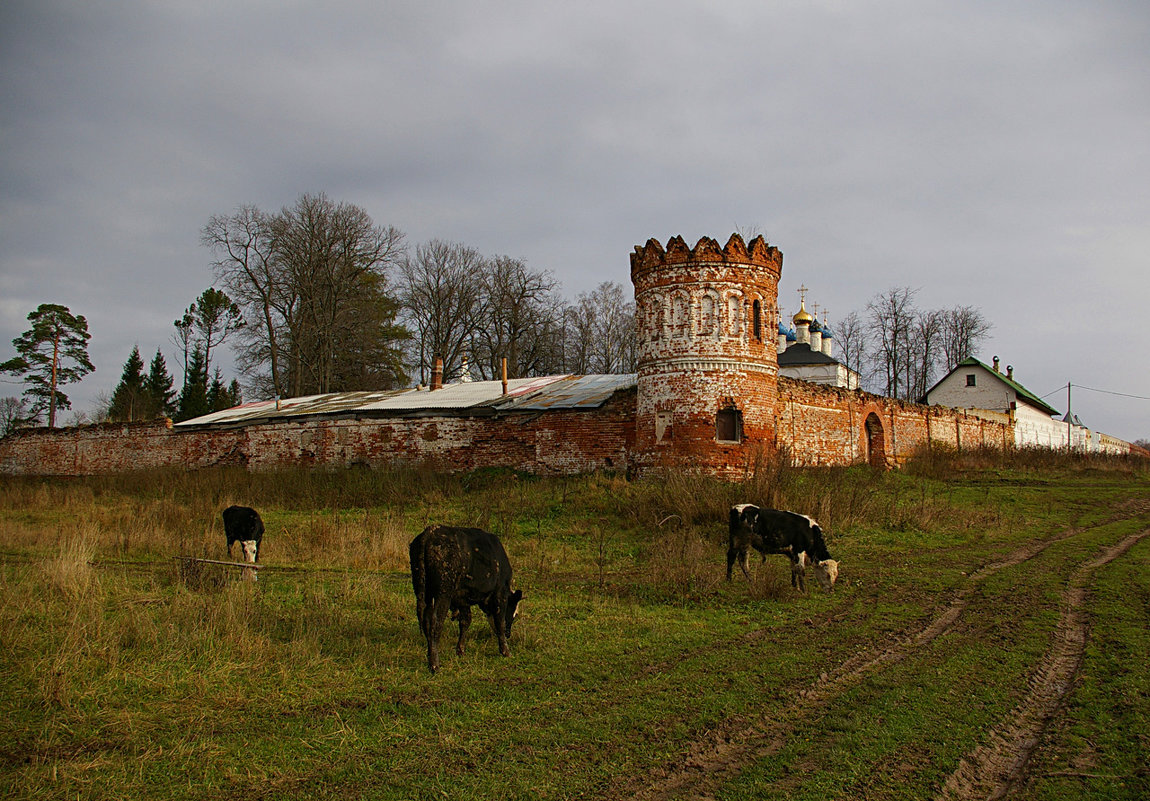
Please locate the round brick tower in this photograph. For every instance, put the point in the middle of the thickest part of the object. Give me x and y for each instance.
(708, 362)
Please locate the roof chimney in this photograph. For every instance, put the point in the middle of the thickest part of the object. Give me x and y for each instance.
(437, 374)
(504, 375)
(1010, 371)
(996, 364)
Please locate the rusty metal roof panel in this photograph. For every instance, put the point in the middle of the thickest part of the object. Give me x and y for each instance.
(331, 403)
(574, 392)
(523, 394)
(460, 396)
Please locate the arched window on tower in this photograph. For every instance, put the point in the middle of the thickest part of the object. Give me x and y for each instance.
(680, 321)
(709, 315)
(734, 315)
(757, 319)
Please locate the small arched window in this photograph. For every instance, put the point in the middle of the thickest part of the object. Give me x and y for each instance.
(757, 319)
(734, 316)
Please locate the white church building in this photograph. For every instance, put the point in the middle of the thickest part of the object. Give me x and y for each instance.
(806, 353)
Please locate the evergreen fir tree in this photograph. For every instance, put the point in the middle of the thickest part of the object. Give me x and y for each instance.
(130, 399)
(193, 400)
(237, 397)
(222, 397)
(219, 398)
(159, 386)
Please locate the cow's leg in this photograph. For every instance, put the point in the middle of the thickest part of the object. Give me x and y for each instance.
(499, 626)
(734, 553)
(797, 572)
(435, 615)
(421, 613)
(464, 617)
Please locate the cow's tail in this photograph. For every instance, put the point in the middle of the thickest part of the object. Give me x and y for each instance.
(417, 552)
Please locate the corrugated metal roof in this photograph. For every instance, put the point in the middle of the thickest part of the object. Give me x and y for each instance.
(575, 392)
(523, 394)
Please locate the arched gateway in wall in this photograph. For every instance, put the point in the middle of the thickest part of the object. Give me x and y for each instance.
(875, 441)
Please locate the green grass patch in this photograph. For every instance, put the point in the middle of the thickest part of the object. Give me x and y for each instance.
(119, 677)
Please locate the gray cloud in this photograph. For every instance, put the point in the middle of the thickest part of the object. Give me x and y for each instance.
(989, 154)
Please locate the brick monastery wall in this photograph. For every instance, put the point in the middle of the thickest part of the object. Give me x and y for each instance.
(819, 425)
(559, 442)
(822, 425)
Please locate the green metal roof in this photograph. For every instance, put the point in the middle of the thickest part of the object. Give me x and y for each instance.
(1022, 392)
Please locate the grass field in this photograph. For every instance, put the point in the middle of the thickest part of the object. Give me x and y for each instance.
(989, 637)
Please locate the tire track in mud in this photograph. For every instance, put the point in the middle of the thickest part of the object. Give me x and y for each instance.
(992, 770)
(720, 754)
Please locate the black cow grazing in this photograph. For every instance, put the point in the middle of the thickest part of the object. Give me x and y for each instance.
(773, 531)
(243, 525)
(457, 568)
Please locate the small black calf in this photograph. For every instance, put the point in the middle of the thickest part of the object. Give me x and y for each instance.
(243, 525)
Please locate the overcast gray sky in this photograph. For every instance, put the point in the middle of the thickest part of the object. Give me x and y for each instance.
(994, 154)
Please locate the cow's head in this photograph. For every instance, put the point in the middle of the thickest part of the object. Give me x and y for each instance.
(748, 515)
(827, 573)
(513, 608)
(249, 548)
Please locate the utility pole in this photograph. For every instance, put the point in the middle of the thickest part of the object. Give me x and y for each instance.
(1069, 419)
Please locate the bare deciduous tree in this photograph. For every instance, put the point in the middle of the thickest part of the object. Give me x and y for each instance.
(442, 292)
(522, 320)
(336, 258)
(313, 282)
(963, 329)
(601, 331)
(14, 414)
(891, 316)
(850, 336)
(923, 353)
(247, 266)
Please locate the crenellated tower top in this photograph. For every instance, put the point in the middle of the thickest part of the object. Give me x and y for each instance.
(653, 255)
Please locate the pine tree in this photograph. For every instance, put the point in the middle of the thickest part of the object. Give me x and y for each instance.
(218, 396)
(53, 352)
(222, 397)
(159, 386)
(193, 400)
(130, 399)
(236, 397)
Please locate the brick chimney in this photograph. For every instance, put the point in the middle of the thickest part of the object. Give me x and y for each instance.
(437, 374)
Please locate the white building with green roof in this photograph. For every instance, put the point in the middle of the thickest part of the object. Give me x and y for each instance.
(974, 385)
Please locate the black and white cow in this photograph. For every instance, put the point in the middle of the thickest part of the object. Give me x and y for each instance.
(774, 531)
(242, 524)
(457, 568)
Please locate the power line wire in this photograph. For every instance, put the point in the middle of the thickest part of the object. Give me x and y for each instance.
(1108, 392)
(1092, 389)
